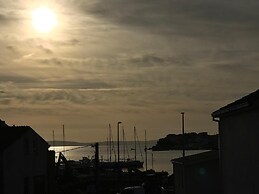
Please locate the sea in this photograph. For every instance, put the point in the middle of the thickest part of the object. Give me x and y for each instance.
(156, 160)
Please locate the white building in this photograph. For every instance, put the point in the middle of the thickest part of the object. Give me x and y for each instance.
(26, 165)
(239, 145)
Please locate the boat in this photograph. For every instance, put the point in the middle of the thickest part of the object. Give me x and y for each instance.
(126, 163)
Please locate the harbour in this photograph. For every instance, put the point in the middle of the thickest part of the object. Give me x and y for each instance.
(161, 159)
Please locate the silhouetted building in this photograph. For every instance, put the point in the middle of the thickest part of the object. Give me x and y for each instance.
(26, 165)
(197, 174)
(239, 145)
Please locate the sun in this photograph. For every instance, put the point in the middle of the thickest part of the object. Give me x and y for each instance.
(44, 19)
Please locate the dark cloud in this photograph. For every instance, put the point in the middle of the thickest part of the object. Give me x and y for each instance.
(33, 81)
(13, 49)
(65, 42)
(9, 17)
(178, 17)
(147, 61)
(16, 78)
(46, 50)
(78, 84)
(49, 61)
(4, 19)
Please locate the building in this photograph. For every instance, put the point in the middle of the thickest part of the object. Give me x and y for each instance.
(197, 174)
(26, 165)
(239, 145)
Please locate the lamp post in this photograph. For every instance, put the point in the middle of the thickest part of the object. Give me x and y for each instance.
(182, 113)
(118, 140)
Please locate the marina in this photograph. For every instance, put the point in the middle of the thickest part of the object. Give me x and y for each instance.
(161, 159)
(91, 175)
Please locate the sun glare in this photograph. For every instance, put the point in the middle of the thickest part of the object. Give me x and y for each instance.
(44, 19)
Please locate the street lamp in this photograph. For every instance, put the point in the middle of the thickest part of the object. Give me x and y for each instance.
(118, 140)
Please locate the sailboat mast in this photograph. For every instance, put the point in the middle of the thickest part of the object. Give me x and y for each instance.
(110, 143)
(135, 144)
(146, 148)
(64, 148)
(118, 141)
(53, 143)
(123, 137)
(107, 148)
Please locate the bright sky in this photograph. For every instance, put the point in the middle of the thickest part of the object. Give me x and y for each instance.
(141, 62)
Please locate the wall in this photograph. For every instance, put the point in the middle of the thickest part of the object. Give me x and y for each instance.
(202, 178)
(179, 184)
(199, 178)
(25, 165)
(239, 148)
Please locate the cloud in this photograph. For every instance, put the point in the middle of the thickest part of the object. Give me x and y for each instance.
(12, 48)
(64, 42)
(16, 78)
(3, 18)
(175, 16)
(46, 50)
(8, 18)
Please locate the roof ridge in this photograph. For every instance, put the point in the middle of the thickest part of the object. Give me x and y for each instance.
(239, 104)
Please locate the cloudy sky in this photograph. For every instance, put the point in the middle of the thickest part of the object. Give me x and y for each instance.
(141, 62)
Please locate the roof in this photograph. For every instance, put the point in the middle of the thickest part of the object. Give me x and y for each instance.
(197, 158)
(9, 134)
(247, 102)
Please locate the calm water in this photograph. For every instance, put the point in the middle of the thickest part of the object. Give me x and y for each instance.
(161, 159)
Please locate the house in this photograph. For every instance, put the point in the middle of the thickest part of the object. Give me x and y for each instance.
(26, 165)
(197, 174)
(239, 145)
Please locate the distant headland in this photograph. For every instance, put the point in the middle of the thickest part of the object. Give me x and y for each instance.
(67, 143)
(191, 141)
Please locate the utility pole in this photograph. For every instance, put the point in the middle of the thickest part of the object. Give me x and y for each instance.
(182, 113)
(152, 159)
(96, 154)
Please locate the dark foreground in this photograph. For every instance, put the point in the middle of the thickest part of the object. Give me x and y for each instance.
(110, 181)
